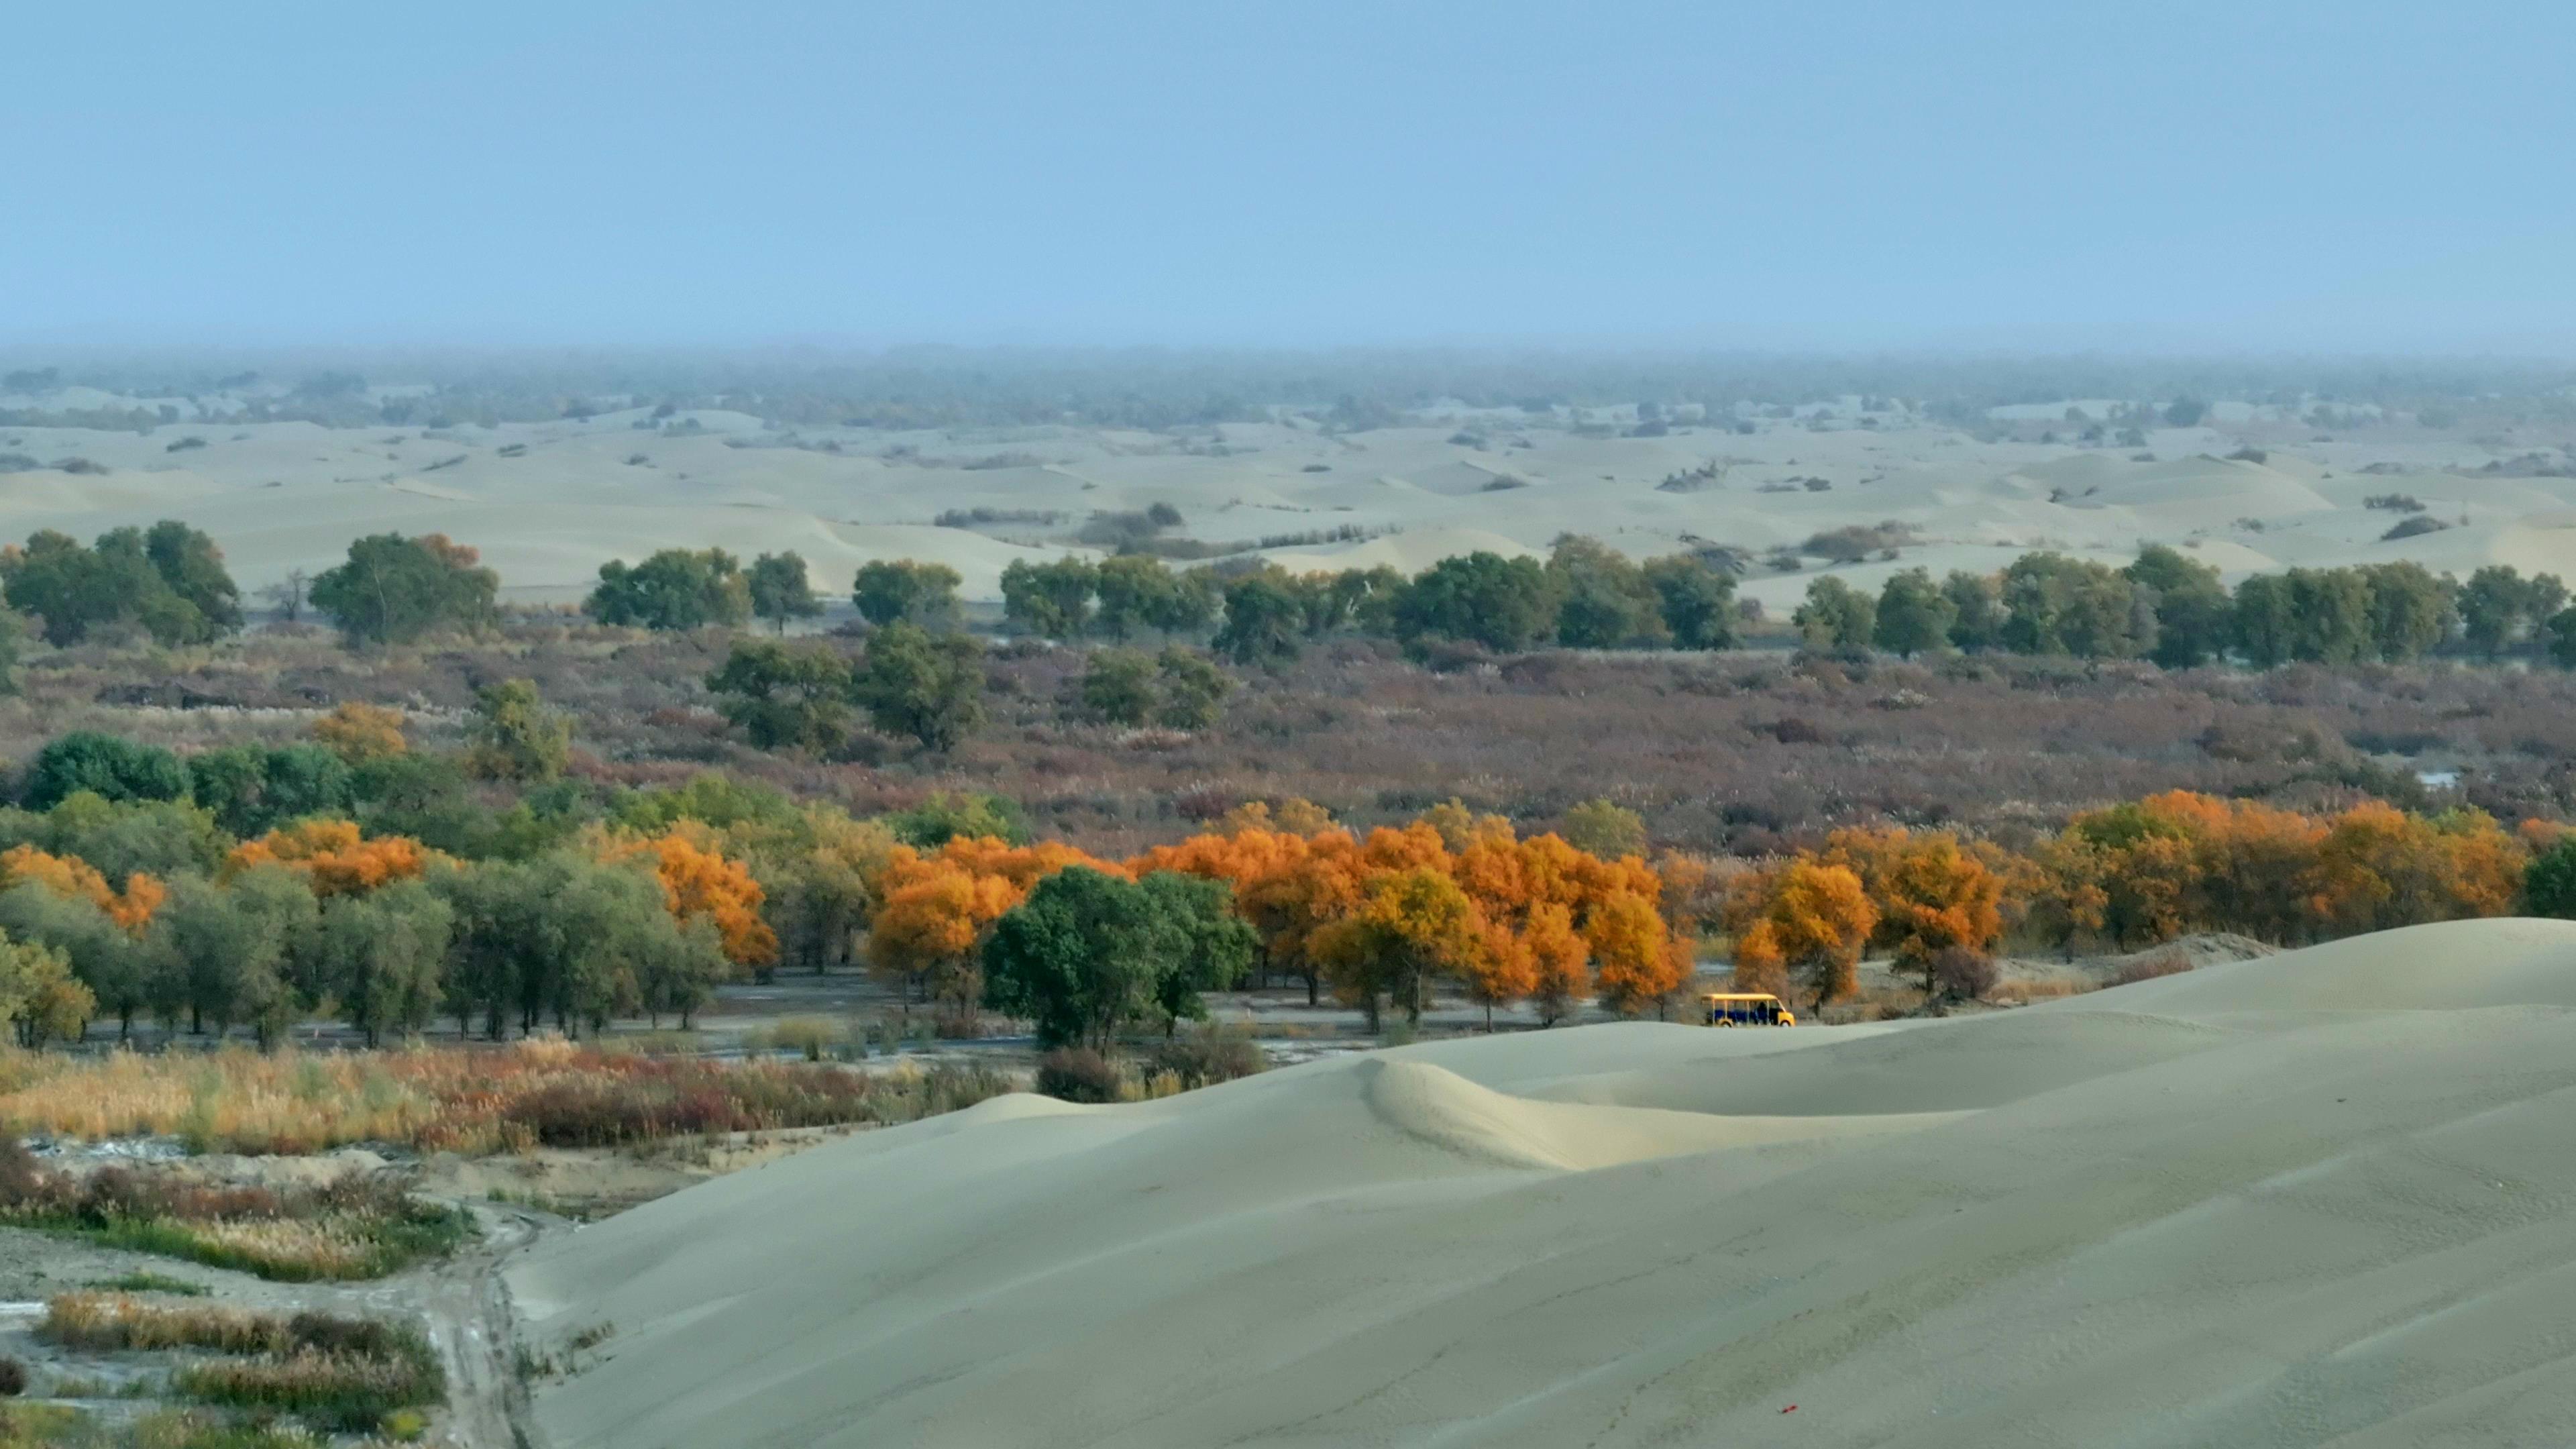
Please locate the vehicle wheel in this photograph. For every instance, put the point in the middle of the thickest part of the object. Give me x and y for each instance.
(1721, 1023)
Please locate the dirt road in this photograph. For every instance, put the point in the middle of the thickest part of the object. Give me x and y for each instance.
(465, 1306)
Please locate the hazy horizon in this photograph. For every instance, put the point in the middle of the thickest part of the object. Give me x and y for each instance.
(2315, 179)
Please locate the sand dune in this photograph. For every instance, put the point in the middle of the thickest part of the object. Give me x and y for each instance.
(549, 502)
(2322, 1198)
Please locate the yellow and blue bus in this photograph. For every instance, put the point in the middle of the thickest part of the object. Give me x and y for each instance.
(1745, 1008)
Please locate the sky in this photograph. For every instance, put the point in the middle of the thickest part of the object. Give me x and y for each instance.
(1813, 174)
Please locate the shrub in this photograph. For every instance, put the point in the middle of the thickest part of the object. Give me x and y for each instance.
(2150, 966)
(2415, 527)
(13, 1378)
(1205, 1058)
(1079, 1074)
(1963, 973)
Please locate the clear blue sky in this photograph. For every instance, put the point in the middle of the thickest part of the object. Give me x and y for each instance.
(1812, 174)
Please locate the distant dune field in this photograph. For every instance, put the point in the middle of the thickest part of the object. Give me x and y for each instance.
(549, 502)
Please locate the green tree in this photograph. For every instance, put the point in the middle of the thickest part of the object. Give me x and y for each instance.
(2267, 621)
(13, 644)
(1481, 598)
(2195, 618)
(2332, 607)
(383, 956)
(780, 591)
(2409, 610)
(108, 766)
(2562, 638)
(251, 789)
(1052, 600)
(1836, 618)
(192, 568)
(1264, 620)
(1697, 602)
(223, 950)
(514, 735)
(120, 838)
(2492, 605)
(1914, 616)
(2059, 605)
(930, 687)
(104, 959)
(1118, 686)
(1604, 601)
(1135, 590)
(1607, 829)
(948, 815)
(1976, 611)
(2549, 882)
(40, 999)
(1088, 954)
(395, 590)
(901, 590)
(1189, 606)
(676, 588)
(787, 696)
(1193, 690)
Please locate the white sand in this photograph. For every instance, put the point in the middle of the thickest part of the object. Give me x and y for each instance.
(2324, 1198)
(290, 495)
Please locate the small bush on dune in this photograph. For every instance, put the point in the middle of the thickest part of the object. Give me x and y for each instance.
(1964, 974)
(1205, 1058)
(2151, 966)
(1079, 1074)
(13, 1378)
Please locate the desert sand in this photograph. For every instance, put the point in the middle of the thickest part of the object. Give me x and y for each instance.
(549, 502)
(2327, 1197)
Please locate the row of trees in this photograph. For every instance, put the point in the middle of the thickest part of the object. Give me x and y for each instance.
(2130, 875)
(2174, 610)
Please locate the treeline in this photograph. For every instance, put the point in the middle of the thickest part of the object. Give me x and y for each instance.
(2173, 610)
(260, 886)
(2129, 875)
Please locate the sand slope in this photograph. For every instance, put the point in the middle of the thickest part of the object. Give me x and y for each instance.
(2324, 1198)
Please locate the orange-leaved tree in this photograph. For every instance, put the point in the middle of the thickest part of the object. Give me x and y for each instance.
(1412, 924)
(700, 882)
(334, 856)
(933, 910)
(1930, 891)
(73, 878)
(1801, 915)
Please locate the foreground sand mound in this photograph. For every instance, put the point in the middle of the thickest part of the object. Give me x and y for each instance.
(2327, 1197)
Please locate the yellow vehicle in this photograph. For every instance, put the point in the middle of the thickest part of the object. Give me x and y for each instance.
(1746, 1008)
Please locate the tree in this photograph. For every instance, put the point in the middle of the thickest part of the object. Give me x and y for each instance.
(1697, 601)
(394, 590)
(251, 790)
(226, 950)
(1914, 616)
(109, 766)
(1052, 600)
(1605, 601)
(1135, 590)
(892, 591)
(1409, 926)
(1194, 690)
(2497, 605)
(786, 696)
(13, 643)
(700, 882)
(2185, 411)
(104, 958)
(334, 858)
(1804, 916)
(168, 580)
(2194, 615)
(675, 588)
(2332, 607)
(1976, 611)
(928, 686)
(780, 591)
(1088, 953)
(359, 732)
(2409, 610)
(2267, 621)
(1638, 961)
(2059, 605)
(1482, 598)
(1118, 686)
(192, 568)
(1606, 829)
(382, 956)
(1836, 618)
(2549, 882)
(513, 735)
(1930, 891)
(2562, 638)
(40, 999)
(1264, 619)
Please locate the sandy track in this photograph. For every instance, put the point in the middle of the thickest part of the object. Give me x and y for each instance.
(465, 1305)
